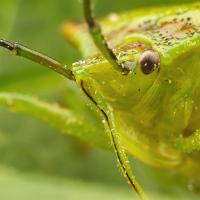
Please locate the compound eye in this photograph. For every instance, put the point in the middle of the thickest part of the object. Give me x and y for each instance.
(149, 61)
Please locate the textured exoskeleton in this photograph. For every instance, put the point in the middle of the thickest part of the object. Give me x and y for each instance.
(151, 106)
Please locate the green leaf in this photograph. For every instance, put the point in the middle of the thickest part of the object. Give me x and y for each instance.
(40, 187)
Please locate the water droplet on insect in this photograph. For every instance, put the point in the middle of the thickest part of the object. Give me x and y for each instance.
(104, 121)
(170, 81)
(113, 17)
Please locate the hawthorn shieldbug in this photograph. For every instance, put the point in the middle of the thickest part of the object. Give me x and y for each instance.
(141, 76)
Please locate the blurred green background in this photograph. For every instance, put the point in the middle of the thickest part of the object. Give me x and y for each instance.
(36, 161)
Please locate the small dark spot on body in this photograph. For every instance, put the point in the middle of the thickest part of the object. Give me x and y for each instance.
(138, 44)
(189, 23)
(147, 21)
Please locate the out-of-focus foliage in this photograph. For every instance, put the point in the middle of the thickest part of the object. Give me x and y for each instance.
(33, 147)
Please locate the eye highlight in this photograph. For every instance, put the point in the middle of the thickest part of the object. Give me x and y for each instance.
(149, 61)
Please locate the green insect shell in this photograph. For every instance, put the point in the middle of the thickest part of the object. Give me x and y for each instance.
(150, 106)
(157, 115)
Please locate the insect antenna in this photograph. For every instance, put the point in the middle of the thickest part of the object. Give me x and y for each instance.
(98, 37)
(35, 56)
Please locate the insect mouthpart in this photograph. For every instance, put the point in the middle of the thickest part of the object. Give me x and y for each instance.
(149, 61)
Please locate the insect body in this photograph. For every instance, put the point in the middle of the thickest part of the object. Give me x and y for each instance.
(143, 81)
(164, 45)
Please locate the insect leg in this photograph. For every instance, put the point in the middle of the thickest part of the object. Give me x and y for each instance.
(123, 159)
(63, 119)
(189, 144)
(118, 146)
(23, 51)
(98, 37)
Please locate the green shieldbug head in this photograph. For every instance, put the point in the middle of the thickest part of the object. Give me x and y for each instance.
(140, 71)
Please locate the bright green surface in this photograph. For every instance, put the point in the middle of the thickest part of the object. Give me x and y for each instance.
(31, 146)
(16, 186)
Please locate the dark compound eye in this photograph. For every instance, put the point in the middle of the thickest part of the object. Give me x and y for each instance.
(149, 61)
